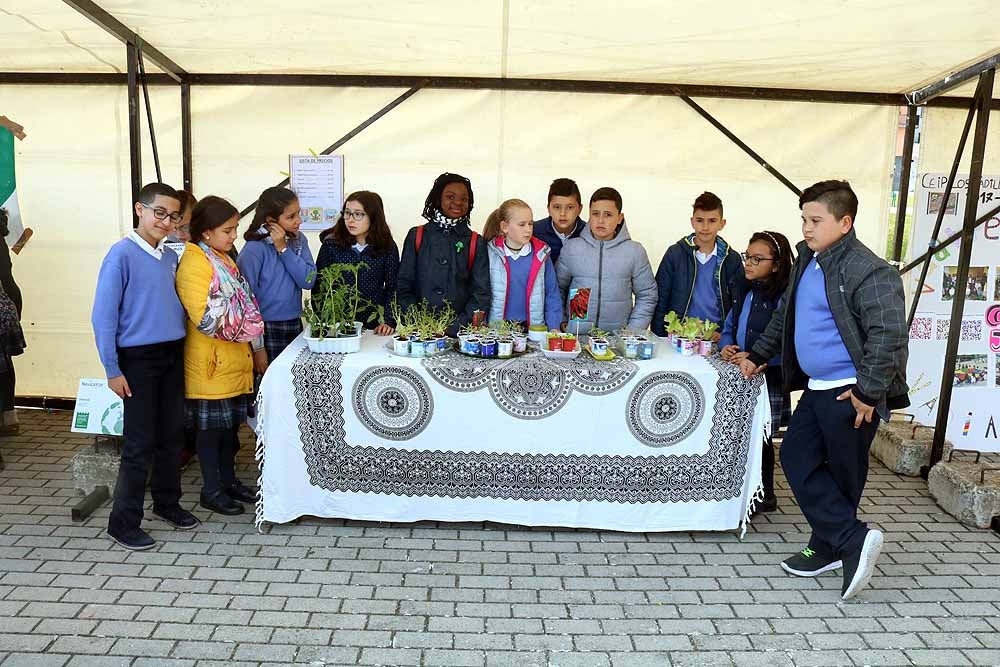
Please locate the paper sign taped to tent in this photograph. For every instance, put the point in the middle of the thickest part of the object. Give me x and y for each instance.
(98, 409)
(318, 180)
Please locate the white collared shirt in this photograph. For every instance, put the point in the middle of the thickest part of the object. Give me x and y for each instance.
(156, 253)
(523, 252)
(702, 257)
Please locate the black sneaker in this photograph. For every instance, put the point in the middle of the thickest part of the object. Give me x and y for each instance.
(242, 492)
(220, 502)
(179, 518)
(860, 565)
(810, 563)
(136, 539)
(766, 505)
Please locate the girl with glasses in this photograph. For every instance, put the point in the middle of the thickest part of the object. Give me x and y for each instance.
(361, 234)
(756, 295)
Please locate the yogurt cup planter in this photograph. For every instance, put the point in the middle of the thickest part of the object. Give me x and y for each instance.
(599, 346)
(472, 345)
(568, 343)
(554, 343)
(705, 348)
(630, 347)
(488, 347)
(520, 342)
(689, 347)
(505, 348)
(647, 349)
(401, 346)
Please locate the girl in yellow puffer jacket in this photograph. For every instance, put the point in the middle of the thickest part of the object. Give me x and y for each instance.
(219, 359)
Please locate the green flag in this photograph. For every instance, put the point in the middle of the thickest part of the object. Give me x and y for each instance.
(8, 187)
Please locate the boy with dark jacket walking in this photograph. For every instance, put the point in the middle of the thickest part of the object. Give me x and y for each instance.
(843, 338)
(696, 273)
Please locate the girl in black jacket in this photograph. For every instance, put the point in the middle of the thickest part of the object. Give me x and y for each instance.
(362, 235)
(442, 259)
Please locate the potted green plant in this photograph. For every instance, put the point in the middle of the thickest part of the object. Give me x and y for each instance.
(707, 331)
(331, 313)
(674, 327)
(690, 328)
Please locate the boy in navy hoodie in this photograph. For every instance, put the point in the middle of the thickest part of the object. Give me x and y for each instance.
(138, 325)
(696, 273)
(842, 334)
(564, 222)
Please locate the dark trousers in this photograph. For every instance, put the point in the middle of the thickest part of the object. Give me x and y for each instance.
(825, 460)
(217, 455)
(7, 380)
(154, 432)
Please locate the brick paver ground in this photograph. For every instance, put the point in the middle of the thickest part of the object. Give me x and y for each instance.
(326, 592)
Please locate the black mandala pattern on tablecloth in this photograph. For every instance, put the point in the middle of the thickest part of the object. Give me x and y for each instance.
(392, 402)
(664, 408)
(716, 475)
(531, 386)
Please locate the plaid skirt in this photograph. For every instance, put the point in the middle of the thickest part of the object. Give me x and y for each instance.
(781, 403)
(278, 335)
(203, 414)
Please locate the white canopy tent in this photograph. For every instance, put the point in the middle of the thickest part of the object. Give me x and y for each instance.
(745, 63)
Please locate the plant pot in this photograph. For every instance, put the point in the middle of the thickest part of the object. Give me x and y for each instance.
(630, 347)
(430, 347)
(505, 349)
(555, 343)
(569, 344)
(688, 347)
(647, 349)
(401, 346)
(598, 347)
(705, 348)
(673, 341)
(488, 348)
(335, 345)
(471, 345)
(538, 335)
(520, 343)
(416, 348)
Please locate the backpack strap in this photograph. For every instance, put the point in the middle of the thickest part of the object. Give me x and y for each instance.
(472, 250)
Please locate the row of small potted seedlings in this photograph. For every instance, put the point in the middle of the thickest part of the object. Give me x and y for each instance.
(500, 339)
(690, 336)
(420, 330)
(636, 346)
(561, 342)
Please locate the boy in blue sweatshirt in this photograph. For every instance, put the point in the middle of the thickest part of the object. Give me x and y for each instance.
(696, 273)
(564, 222)
(138, 326)
(842, 334)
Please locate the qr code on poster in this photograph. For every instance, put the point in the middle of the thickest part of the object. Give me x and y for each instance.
(972, 329)
(921, 328)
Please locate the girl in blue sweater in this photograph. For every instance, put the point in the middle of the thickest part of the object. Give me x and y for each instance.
(756, 295)
(362, 235)
(278, 265)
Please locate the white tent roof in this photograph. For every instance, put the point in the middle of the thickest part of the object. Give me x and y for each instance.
(847, 45)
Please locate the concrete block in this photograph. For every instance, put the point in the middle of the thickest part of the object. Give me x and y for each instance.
(957, 488)
(97, 465)
(903, 449)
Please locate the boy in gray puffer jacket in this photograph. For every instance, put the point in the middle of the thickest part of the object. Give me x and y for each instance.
(614, 267)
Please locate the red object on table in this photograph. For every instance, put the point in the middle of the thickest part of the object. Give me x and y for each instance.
(569, 344)
(555, 343)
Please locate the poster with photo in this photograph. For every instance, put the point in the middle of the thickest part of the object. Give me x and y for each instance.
(974, 417)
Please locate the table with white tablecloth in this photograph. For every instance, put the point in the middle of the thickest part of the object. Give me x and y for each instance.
(670, 443)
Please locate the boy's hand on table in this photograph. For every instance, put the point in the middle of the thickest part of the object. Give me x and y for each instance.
(728, 351)
(384, 330)
(865, 411)
(119, 385)
(750, 369)
(716, 337)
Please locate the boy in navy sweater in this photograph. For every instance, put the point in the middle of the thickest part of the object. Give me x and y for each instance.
(696, 273)
(138, 325)
(843, 338)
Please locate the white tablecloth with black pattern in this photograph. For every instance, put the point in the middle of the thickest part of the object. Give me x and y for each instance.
(671, 443)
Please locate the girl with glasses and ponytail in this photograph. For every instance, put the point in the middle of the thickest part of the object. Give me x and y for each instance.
(756, 295)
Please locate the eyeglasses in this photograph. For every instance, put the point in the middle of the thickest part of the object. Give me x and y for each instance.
(754, 260)
(357, 215)
(163, 214)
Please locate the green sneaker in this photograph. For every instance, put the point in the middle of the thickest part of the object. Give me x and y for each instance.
(810, 563)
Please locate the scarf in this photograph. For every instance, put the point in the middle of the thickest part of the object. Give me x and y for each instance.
(438, 217)
(231, 311)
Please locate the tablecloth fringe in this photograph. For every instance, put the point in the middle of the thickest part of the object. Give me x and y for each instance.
(259, 456)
